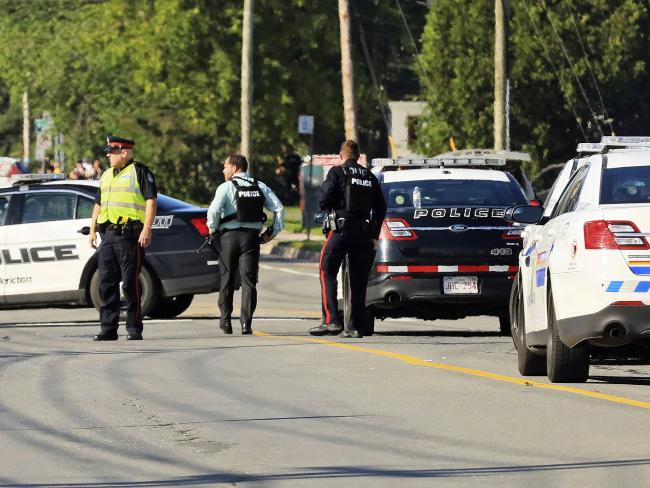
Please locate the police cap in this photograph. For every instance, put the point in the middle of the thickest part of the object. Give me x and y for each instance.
(114, 142)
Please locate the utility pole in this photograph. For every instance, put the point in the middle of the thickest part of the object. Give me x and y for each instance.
(25, 127)
(349, 111)
(500, 41)
(247, 81)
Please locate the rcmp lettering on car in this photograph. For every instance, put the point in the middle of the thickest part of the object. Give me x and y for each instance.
(454, 212)
(39, 254)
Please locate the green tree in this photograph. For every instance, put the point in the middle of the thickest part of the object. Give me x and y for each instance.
(564, 56)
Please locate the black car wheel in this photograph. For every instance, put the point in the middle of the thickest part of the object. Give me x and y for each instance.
(564, 364)
(170, 307)
(149, 294)
(528, 363)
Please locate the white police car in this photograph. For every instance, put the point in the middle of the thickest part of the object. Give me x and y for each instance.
(45, 258)
(583, 286)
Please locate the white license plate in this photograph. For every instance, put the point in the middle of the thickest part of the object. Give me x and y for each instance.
(460, 285)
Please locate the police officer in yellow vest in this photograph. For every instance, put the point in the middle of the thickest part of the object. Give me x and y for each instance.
(124, 211)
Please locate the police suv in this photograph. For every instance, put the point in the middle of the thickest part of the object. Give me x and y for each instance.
(580, 293)
(45, 258)
(445, 250)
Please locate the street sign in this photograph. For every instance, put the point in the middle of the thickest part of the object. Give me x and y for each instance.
(306, 124)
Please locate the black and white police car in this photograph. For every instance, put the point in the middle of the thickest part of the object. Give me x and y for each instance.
(46, 259)
(445, 250)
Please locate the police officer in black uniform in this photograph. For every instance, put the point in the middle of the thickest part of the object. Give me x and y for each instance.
(123, 214)
(355, 203)
(236, 216)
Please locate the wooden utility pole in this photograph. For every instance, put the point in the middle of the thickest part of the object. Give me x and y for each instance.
(349, 110)
(500, 41)
(247, 81)
(25, 127)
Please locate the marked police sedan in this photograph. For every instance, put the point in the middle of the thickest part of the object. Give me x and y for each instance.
(445, 250)
(45, 258)
(582, 290)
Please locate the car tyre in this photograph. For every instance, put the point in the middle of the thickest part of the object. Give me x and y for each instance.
(149, 295)
(564, 364)
(170, 307)
(528, 363)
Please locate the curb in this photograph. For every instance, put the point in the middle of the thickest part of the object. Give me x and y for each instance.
(293, 253)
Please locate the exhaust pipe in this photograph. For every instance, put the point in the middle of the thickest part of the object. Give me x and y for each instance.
(615, 331)
(392, 298)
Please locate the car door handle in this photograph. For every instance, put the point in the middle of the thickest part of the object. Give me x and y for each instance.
(84, 230)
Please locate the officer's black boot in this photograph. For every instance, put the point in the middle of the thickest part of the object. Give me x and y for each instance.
(246, 330)
(106, 336)
(325, 329)
(226, 327)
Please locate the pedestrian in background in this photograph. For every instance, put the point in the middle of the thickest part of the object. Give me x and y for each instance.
(95, 171)
(123, 214)
(78, 172)
(237, 215)
(351, 195)
(289, 169)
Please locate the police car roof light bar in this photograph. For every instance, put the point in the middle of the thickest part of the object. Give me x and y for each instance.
(624, 142)
(35, 178)
(589, 148)
(466, 158)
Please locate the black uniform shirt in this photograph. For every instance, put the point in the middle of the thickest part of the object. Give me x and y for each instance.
(332, 196)
(145, 179)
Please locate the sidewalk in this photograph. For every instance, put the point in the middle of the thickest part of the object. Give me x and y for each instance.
(274, 249)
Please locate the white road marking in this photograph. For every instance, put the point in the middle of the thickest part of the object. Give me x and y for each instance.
(286, 270)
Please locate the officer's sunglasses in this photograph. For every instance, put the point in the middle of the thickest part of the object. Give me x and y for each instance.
(112, 150)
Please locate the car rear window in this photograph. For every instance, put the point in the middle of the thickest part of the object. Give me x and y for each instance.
(436, 193)
(168, 204)
(628, 184)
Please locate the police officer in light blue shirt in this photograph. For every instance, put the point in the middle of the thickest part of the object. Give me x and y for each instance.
(237, 216)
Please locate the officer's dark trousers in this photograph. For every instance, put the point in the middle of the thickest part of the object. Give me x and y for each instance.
(357, 245)
(119, 259)
(239, 248)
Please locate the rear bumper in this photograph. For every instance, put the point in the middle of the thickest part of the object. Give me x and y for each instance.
(186, 272)
(600, 326)
(424, 297)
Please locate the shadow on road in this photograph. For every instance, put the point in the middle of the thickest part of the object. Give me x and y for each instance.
(439, 333)
(620, 380)
(340, 472)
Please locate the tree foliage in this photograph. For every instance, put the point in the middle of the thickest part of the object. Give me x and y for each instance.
(564, 56)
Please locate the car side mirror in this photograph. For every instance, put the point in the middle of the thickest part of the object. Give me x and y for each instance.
(524, 214)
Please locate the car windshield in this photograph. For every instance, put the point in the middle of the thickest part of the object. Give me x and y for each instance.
(435, 193)
(630, 184)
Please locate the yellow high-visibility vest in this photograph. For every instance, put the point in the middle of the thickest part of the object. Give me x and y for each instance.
(121, 198)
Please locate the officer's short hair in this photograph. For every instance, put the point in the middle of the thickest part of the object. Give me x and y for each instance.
(238, 161)
(350, 150)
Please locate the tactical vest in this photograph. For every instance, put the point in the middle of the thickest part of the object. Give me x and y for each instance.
(121, 198)
(250, 203)
(358, 190)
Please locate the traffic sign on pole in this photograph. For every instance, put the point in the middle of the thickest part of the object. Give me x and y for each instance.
(306, 124)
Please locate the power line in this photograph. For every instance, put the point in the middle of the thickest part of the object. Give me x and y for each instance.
(425, 77)
(571, 65)
(593, 76)
(555, 69)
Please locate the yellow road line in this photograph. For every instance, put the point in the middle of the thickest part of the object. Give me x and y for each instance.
(468, 371)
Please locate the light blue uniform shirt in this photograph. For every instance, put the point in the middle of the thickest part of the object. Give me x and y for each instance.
(224, 204)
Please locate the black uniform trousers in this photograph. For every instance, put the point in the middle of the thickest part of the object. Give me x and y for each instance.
(358, 247)
(119, 259)
(239, 248)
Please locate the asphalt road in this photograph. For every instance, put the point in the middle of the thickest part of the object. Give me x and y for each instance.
(418, 404)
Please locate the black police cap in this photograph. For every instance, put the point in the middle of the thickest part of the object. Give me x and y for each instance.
(114, 142)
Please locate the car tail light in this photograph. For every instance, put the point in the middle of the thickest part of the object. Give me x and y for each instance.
(397, 230)
(627, 304)
(535, 203)
(611, 234)
(513, 233)
(201, 225)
